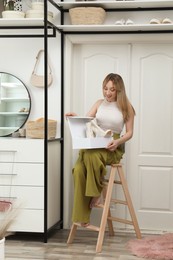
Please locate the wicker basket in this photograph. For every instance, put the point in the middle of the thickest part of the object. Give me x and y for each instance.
(35, 129)
(87, 15)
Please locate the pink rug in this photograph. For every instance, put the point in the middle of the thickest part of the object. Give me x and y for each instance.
(153, 247)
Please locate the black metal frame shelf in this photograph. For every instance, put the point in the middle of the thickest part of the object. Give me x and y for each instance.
(46, 27)
(114, 6)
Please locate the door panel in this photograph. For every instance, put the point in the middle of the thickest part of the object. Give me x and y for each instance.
(91, 63)
(152, 162)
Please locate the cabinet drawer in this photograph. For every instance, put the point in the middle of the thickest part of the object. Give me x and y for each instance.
(29, 221)
(27, 197)
(22, 174)
(21, 150)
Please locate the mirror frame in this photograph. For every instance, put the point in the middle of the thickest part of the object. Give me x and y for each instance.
(30, 103)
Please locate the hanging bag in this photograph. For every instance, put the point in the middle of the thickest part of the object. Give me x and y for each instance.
(38, 80)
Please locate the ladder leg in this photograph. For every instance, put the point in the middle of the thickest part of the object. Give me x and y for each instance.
(105, 210)
(129, 202)
(72, 233)
(109, 221)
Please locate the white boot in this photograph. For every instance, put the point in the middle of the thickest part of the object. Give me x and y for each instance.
(89, 131)
(98, 131)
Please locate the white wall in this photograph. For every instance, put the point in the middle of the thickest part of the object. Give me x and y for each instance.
(18, 56)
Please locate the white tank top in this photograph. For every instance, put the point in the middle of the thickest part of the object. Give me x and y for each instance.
(109, 116)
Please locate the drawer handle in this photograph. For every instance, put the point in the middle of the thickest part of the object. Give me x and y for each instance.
(3, 197)
(8, 151)
(8, 174)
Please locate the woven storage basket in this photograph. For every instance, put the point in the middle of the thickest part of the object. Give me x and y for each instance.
(87, 15)
(35, 129)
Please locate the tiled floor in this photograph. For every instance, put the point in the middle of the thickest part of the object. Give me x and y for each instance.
(83, 247)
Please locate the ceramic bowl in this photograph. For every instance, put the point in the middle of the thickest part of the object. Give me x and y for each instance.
(13, 14)
(37, 6)
(38, 14)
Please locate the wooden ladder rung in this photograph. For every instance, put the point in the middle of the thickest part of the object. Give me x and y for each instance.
(125, 221)
(119, 201)
(99, 206)
(105, 182)
(92, 227)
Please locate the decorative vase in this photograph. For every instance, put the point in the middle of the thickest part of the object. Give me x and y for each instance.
(2, 249)
(1, 8)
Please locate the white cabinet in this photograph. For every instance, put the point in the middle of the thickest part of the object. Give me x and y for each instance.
(22, 180)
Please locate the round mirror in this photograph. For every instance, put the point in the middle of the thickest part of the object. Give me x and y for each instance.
(15, 104)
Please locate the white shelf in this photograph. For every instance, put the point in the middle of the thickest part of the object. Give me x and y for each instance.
(14, 99)
(10, 85)
(9, 128)
(115, 28)
(13, 113)
(118, 4)
(22, 22)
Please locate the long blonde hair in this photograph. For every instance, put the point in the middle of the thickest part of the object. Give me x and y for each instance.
(122, 100)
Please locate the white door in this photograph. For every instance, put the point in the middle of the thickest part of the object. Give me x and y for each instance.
(151, 167)
(91, 63)
(147, 70)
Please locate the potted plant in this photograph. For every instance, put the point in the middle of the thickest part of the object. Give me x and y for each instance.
(10, 10)
(9, 4)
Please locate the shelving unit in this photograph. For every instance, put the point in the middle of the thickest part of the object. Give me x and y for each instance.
(114, 6)
(37, 28)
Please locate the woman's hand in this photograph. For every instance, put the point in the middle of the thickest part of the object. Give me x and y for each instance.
(112, 146)
(70, 114)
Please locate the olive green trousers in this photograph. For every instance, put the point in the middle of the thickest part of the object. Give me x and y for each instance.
(88, 173)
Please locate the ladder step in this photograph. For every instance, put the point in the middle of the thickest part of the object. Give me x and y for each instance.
(105, 182)
(100, 205)
(119, 201)
(92, 227)
(125, 221)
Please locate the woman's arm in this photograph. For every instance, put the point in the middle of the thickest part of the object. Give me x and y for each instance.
(129, 125)
(92, 112)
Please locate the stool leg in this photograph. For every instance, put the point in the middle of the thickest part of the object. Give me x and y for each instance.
(105, 210)
(72, 233)
(129, 202)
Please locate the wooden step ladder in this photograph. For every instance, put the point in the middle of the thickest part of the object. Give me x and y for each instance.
(106, 214)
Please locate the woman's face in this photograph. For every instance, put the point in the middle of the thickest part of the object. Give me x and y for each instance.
(109, 92)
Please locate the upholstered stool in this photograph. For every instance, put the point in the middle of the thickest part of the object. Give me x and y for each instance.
(106, 214)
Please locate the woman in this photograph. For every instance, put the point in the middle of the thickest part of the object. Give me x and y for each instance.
(113, 112)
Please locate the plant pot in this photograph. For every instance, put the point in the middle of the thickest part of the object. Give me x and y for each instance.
(2, 249)
(1, 8)
(13, 14)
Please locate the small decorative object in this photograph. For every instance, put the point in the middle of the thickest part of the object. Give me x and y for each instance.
(37, 11)
(87, 15)
(35, 129)
(11, 14)
(9, 4)
(38, 80)
(12, 9)
(18, 5)
(2, 7)
(37, 5)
